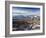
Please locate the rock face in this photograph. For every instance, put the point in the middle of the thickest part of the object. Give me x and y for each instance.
(25, 22)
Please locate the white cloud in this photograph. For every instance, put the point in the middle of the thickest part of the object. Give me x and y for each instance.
(20, 11)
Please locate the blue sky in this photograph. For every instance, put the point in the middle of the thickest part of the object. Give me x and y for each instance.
(25, 11)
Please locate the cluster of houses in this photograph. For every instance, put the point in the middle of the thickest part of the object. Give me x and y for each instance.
(28, 23)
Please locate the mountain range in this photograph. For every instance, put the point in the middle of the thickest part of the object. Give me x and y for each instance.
(22, 17)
